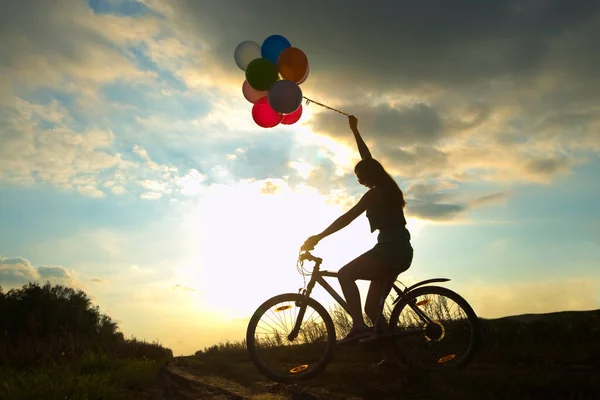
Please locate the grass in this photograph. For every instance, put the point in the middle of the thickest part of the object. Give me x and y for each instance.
(93, 376)
(92, 370)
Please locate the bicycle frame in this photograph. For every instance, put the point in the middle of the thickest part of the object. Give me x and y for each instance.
(318, 276)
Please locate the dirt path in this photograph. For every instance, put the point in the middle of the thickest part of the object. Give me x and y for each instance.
(182, 383)
(194, 380)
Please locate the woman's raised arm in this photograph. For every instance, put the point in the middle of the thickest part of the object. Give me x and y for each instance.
(362, 147)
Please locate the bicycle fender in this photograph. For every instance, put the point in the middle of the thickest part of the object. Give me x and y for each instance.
(425, 282)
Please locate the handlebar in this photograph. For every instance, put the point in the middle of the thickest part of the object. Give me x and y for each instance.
(306, 255)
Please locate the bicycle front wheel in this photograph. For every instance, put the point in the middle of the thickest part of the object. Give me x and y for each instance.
(280, 356)
(434, 329)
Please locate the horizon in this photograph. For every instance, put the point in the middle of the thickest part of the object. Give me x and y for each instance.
(131, 167)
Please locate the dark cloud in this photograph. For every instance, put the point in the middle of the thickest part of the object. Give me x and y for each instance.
(435, 211)
(426, 191)
(547, 166)
(401, 43)
(415, 161)
(430, 201)
(418, 123)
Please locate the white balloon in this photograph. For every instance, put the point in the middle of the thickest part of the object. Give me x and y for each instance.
(245, 52)
(285, 96)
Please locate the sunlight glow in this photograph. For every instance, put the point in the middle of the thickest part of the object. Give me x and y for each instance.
(247, 251)
(343, 156)
(302, 168)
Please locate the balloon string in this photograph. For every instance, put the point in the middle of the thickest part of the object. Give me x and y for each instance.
(308, 101)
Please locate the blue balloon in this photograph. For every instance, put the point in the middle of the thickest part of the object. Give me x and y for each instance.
(272, 46)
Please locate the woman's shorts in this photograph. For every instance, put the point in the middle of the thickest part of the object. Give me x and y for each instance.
(394, 247)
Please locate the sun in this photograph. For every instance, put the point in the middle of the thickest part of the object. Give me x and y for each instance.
(247, 239)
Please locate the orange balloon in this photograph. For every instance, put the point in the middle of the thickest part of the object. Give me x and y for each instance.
(305, 76)
(292, 64)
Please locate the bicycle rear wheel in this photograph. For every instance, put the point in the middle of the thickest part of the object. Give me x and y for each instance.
(284, 359)
(436, 329)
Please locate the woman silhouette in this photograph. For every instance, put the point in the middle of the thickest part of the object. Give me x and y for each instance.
(384, 205)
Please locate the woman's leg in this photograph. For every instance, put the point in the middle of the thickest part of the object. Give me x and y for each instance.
(376, 290)
(364, 267)
(373, 302)
(402, 262)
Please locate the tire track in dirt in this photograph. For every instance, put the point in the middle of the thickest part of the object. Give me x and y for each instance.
(195, 387)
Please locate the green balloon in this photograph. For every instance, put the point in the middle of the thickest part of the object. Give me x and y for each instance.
(261, 74)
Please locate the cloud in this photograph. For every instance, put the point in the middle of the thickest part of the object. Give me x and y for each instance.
(184, 288)
(18, 271)
(154, 185)
(66, 45)
(406, 43)
(56, 155)
(439, 201)
(150, 196)
(547, 166)
(191, 184)
(462, 99)
(269, 188)
(99, 280)
(407, 125)
(41, 145)
(489, 199)
(435, 211)
(485, 94)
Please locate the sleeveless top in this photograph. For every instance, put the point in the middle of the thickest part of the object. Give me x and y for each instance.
(388, 217)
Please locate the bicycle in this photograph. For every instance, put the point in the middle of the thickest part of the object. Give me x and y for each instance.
(314, 342)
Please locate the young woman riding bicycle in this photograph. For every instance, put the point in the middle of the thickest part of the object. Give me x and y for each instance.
(384, 205)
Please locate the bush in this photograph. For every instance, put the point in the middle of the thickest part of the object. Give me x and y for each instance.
(40, 324)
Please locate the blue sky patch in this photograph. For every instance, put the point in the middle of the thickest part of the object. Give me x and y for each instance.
(130, 8)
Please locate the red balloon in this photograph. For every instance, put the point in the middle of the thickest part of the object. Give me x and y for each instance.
(264, 115)
(292, 118)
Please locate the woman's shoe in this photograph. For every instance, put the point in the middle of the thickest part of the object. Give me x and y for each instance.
(356, 334)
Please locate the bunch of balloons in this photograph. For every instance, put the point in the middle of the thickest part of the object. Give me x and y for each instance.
(274, 73)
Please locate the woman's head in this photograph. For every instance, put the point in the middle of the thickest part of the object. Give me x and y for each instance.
(371, 173)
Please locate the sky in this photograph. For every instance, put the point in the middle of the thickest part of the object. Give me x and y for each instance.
(131, 168)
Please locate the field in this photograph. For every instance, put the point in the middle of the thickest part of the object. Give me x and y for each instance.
(547, 356)
(56, 345)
